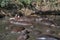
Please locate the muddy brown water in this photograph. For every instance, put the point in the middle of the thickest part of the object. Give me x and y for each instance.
(40, 27)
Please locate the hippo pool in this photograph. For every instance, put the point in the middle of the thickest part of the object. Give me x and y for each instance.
(42, 28)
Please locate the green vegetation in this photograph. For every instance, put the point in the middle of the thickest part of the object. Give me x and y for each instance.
(17, 6)
(9, 8)
(50, 3)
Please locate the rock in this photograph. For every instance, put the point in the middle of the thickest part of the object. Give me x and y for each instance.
(6, 28)
(47, 37)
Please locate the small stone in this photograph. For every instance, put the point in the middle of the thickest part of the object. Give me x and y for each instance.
(19, 32)
(13, 32)
(53, 25)
(6, 28)
(32, 26)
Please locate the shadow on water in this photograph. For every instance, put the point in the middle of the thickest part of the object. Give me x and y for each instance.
(48, 12)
